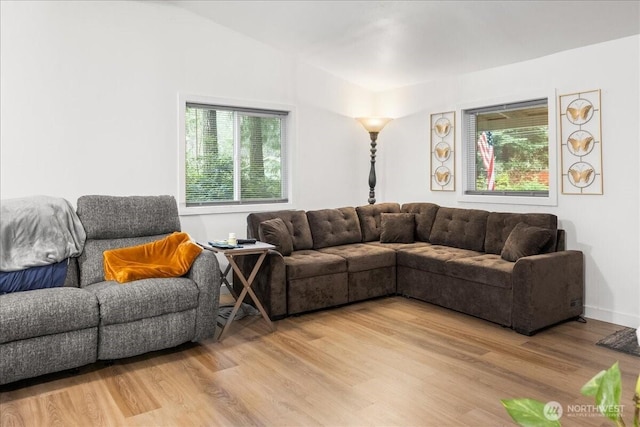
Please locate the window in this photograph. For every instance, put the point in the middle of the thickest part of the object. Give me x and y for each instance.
(506, 150)
(234, 156)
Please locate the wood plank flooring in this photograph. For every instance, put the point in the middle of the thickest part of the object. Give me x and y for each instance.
(386, 362)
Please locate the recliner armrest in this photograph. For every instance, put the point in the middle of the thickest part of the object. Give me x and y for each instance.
(205, 272)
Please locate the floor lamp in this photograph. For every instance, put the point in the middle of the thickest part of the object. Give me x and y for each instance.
(373, 125)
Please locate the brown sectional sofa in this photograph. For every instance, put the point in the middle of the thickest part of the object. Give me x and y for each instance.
(451, 257)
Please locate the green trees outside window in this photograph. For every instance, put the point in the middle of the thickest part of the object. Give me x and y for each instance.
(507, 149)
(234, 156)
(521, 160)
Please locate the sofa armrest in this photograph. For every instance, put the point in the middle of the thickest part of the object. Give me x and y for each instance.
(547, 289)
(72, 279)
(270, 284)
(205, 272)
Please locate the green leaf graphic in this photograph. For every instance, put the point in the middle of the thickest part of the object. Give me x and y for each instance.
(592, 386)
(528, 413)
(608, 394)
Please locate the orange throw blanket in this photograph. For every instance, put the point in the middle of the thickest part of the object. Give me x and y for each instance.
(168, 257)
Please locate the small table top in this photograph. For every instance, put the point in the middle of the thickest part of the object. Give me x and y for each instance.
(246, 249)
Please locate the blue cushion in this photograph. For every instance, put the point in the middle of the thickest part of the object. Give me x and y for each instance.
(46, 276)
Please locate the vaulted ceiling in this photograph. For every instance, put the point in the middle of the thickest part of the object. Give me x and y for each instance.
(385, 44)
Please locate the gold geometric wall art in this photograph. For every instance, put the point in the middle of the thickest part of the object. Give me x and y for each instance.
(581, 143)
(442, 151)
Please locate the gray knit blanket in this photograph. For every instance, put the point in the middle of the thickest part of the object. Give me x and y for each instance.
(36, 231)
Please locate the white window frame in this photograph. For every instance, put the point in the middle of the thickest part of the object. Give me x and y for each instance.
(183, 209)
(552, 198)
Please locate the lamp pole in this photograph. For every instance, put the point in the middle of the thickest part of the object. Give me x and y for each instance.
(373, 125)
(372, 171)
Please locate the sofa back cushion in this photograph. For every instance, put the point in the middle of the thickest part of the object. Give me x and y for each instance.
(460, 228)
(91, 260)
(296, 222)
(526, 240)
(398, 228)
(500, 225)
(115, 217)
(333, 227)
(113, 222)
(370, 219)
(425, 216)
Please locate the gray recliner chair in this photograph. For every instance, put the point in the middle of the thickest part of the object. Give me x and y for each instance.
(149, 314)
(49, 330)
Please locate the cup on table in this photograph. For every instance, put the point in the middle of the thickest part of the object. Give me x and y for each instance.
(232, 239)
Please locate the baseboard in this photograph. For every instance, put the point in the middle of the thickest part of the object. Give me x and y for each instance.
(623, 319)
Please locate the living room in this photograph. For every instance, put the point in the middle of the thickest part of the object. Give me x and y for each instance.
(105, 80)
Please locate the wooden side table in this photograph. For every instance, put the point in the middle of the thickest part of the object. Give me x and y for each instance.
(259, 248)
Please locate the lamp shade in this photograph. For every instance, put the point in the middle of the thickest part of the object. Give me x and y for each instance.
(373, 124)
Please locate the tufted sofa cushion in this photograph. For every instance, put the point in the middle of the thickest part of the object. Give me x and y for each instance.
(309, 263)
(488, 269)
(370, 219)
(425, 216)
(500, 224)
(398, 228)
(363, 257)
(333, 227)
(432, 258)
(296, 222)
(460, 228)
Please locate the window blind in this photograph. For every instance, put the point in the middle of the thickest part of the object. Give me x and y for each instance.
(518, 135)
(235, 155)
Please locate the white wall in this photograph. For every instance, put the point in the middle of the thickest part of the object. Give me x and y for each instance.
(605, 227)
(89, 92)
(89, 104)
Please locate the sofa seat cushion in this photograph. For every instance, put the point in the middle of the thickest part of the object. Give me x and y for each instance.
(50, 311)
(310, 263)
(432, 258)
(489, 269)
(363, 257)
(142, 299)
(398, 246)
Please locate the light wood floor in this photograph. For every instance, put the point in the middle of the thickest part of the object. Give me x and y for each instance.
(387, 362)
